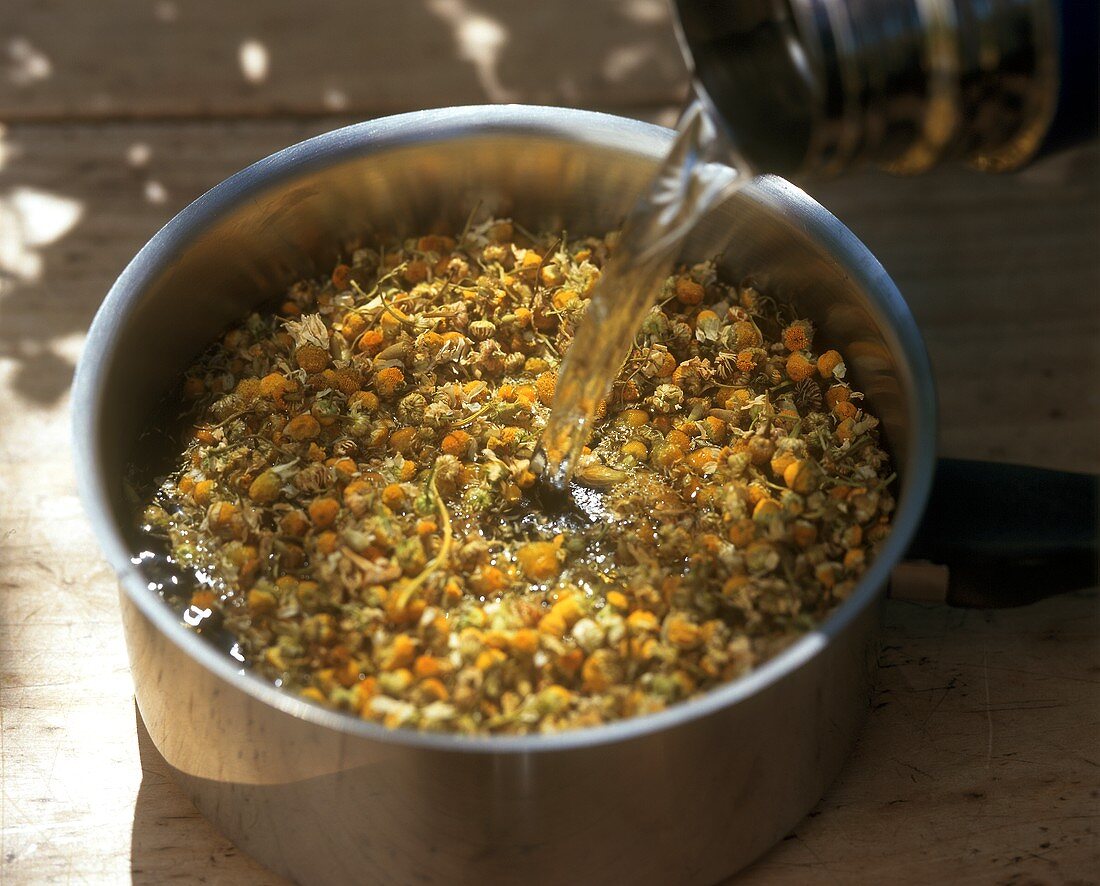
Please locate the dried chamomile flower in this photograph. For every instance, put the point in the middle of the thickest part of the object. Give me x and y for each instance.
(353, 508)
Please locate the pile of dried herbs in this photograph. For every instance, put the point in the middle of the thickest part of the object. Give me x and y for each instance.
(356, 500)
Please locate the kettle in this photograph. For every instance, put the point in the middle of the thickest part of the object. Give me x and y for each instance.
(813, 87)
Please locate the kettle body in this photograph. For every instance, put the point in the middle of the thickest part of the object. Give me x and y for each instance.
(813, 87)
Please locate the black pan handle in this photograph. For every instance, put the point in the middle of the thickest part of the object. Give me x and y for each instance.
(1008, 535)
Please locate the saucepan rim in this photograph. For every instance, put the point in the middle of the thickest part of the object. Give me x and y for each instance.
(443, 125)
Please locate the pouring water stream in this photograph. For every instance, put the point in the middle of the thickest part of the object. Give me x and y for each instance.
(693, 177)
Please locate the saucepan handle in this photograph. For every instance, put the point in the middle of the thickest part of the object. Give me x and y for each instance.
(998, 535)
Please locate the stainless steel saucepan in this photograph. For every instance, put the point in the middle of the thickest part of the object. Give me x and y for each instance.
(685, 796)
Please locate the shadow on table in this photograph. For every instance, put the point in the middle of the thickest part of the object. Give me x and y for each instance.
(172, 841)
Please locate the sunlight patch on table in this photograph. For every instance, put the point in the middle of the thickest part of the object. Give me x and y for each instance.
(29, 220)
(155, 192)
(254, 61)
(139, 154)
(335, 99)
(648, 12)
(27, 64)
(479, 40)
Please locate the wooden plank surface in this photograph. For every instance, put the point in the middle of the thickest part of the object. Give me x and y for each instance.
(1003, 276)
(978, 763)
(61, 59)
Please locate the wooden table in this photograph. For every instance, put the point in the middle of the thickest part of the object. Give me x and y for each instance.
(980, 762)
